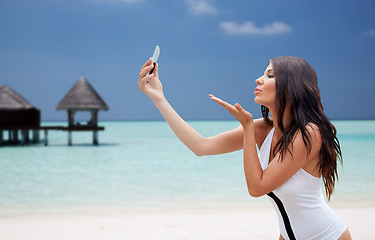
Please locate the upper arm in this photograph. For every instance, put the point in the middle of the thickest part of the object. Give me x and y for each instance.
(279, 172)
(225, 142)
(232, 140)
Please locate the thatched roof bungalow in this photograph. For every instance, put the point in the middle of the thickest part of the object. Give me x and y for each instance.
(82, 97)
(16, 111)
(17, 114)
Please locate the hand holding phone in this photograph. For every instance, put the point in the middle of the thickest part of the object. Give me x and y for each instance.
(150, 84)
(155, 57)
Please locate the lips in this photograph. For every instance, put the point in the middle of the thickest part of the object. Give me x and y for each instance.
(257, 91)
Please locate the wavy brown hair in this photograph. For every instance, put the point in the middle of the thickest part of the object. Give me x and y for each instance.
(296, 81)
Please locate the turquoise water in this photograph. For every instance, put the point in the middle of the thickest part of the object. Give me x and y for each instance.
(142, 166)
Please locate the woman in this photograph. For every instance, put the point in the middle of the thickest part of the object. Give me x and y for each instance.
(298, 146)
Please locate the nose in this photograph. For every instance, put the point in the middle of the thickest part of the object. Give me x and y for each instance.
(259, 81)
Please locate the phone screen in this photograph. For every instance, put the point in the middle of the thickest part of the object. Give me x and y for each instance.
(155, 57)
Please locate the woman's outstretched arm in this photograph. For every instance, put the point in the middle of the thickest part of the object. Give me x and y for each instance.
(222, 143)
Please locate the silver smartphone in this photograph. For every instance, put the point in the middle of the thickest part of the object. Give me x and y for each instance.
(155, 57)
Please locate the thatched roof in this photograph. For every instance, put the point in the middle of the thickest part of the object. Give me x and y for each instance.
(82, 96)
(11, 100)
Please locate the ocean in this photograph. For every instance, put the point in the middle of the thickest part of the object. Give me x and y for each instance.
(142, 167)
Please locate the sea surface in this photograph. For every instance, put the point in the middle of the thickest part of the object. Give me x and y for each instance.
(142, 167)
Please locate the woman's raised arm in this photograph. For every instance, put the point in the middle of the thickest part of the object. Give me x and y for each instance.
(222, 143)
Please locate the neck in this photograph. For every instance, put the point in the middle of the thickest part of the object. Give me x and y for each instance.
(286, 118)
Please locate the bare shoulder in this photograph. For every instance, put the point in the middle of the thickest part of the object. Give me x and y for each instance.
(261, 129)
(314, 132)
(315, 135)
(312, 127)
(315, 138)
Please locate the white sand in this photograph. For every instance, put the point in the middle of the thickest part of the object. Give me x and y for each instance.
(257, 224)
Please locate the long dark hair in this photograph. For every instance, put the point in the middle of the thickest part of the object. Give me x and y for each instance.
(296, 81)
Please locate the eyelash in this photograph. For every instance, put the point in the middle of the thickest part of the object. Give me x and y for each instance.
(271, 76)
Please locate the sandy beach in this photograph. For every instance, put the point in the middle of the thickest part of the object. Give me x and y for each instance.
(255, 224)
(125, 191)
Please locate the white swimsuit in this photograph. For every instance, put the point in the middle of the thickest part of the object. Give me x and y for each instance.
(301, 209)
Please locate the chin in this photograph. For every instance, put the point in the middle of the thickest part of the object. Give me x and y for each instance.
(257, 101)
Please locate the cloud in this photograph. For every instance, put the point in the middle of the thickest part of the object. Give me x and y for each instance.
(119, 1)
(249, 28)
(200, 7)
(370, 33)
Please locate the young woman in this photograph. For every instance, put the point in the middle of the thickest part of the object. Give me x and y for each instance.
(298, 146)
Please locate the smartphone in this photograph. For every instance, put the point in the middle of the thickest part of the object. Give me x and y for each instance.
(155, 57)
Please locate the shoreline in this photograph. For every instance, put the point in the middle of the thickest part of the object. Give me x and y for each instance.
(166, 207)
(205, 224)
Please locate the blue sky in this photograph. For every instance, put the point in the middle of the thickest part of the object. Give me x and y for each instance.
(207, 46)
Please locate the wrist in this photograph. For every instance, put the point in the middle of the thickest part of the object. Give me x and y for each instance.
(248, 125)
(160, 101)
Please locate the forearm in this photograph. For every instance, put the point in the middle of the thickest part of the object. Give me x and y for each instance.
(252, 167)
(187, 135)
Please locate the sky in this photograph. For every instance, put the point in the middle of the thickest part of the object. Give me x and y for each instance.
(206, 46)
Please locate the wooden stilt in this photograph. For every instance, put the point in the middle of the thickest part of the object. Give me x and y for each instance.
(27, 136)
(23, 137)
(15, 136)
(10, 137)
(95, 138)
(35, 138)
(45, 137)
(70, 138)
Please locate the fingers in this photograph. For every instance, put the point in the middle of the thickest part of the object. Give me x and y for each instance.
(148, 65)
(156, 70)
(144, 77)
(226, 105)
(145, 70)
(237, 111)
(149, 61)
(238, 107)
(145, 80)
(248, 116)
(218, 100)
(223, 103)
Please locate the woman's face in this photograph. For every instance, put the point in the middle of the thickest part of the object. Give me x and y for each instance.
(265, 92)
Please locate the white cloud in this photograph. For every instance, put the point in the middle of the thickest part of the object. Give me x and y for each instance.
(199, 7)
(370, 33)
(118, 1)
(249, 28)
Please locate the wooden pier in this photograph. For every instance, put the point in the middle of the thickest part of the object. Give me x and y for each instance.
(31, 135)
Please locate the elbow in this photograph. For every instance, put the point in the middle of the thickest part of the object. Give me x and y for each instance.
(255, 191)
(254, 194)
(200, 150)
(196, 151)
(198, 154)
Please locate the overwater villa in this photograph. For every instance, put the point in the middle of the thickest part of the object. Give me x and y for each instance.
(82, 97)
(18, 116)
